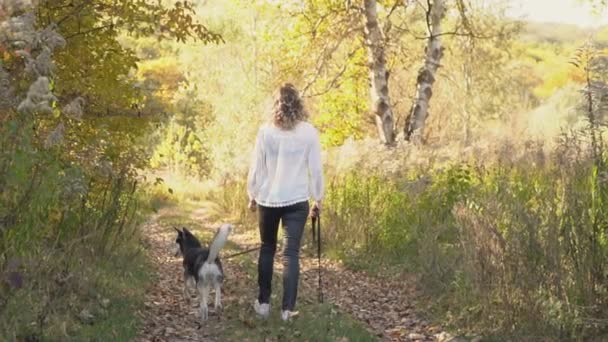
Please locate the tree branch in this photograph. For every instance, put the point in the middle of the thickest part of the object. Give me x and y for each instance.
(459, 34)
(78, 8)
(397, 4)
(428, 17)
(94, 29)
(456, 32)
(326, 55)
(334, 82)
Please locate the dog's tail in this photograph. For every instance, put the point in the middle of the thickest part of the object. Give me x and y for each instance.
(218, 242)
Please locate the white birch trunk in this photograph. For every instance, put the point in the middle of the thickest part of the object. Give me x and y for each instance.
(426, 76)
(380, 100)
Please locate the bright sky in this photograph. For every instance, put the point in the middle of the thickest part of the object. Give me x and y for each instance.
(561, 11)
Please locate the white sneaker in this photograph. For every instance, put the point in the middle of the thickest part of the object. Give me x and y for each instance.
(286, 315)
(261, 309)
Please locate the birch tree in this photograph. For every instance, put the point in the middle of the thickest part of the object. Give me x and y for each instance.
(380, 99)
(426, 76)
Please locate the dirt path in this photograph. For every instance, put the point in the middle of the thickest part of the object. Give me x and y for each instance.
(166, 316)
(383, 309)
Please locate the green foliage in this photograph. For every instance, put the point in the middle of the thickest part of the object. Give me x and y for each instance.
(386, 216)
(73, 131)
(95, 63)
(326, 55)
(56, 213)
(506, 243)
(503, 239)
(183, 147)
(341, 110)
(82, 303)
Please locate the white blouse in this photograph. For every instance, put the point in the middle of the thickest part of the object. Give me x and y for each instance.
(286, 167)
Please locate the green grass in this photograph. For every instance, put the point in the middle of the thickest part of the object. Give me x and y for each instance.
(109, 290)
(125, 292)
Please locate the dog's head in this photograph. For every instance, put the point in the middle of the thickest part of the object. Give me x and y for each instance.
(179, 243)
(184, 240)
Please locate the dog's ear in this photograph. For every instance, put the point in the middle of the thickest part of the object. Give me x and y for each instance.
(178, 231)
(186, 231)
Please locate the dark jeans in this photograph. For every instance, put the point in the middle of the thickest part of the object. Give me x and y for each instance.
(294, 219)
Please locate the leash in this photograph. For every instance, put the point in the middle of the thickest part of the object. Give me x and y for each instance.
(316, 232)
(242, 252)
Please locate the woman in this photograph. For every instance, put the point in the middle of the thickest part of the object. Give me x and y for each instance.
(285, 173)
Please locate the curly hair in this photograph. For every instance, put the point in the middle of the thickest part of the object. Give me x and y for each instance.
(288, 108)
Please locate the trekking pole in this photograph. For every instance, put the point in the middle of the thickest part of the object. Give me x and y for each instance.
(316, 226)
(314, 231)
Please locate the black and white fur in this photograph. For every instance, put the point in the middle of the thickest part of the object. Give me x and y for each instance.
(202, 266)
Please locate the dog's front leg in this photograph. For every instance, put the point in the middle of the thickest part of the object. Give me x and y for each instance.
(189, 284)
(186, 293)
(204, 291)
(218, 297)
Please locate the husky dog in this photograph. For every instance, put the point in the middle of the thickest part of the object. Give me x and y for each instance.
(202, 266)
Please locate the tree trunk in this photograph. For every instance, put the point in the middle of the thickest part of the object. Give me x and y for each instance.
(426, 76)
(380, 100)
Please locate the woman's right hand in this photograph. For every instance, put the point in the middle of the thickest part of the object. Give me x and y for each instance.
(253, 205)
(315, 210)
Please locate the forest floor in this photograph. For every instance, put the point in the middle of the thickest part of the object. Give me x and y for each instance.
(358, 306)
